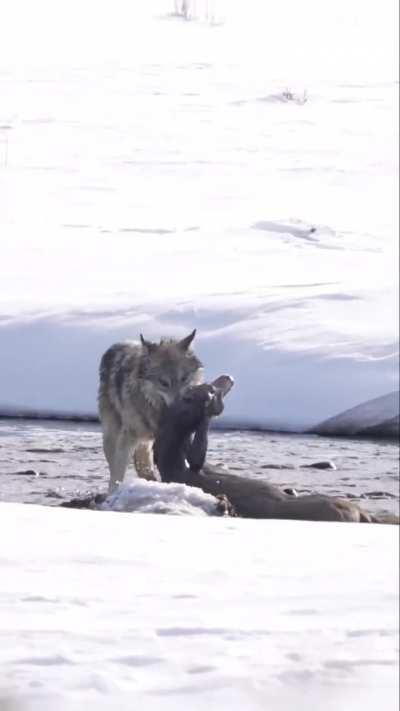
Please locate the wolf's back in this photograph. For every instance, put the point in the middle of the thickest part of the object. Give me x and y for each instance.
(120, 362)
(120, 355)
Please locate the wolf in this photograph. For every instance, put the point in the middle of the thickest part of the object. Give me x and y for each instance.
(138, 380)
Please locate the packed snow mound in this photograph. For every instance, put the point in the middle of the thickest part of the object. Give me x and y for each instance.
(374, 417)
(144, 496)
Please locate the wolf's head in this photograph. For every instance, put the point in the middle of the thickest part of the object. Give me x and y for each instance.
(170, 367)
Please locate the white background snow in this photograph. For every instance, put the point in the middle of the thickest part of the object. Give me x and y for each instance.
(153, 178)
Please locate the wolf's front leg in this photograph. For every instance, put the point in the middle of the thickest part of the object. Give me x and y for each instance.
(144, 461)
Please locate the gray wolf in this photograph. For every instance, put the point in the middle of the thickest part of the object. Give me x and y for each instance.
(138, 380)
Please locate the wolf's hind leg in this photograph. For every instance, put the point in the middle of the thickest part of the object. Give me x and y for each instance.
(109, 442)
(117, 446)
(144, 461)
(111, 427)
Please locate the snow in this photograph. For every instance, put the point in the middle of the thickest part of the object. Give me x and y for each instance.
(374, 413)
(124, 610)
(156, 497)
(155, 177)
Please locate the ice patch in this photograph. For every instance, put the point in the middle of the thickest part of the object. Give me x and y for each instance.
(155, 497)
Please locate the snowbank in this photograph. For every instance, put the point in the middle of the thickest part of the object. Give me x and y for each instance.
(159, 186)
(118, 611)
(379, 416)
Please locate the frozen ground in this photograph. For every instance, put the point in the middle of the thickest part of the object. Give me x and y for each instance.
(48, 463)
(118, 611)
(158, 174)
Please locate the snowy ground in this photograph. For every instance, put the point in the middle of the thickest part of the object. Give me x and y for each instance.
(155, 175)
(118, 611)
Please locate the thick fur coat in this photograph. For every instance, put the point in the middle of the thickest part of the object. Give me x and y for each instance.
(137, 382)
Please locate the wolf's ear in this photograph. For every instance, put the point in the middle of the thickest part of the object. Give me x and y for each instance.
(185, 342)
(148, 345)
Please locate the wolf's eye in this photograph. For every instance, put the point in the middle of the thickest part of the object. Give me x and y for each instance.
(184, 378)
(164, 382)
